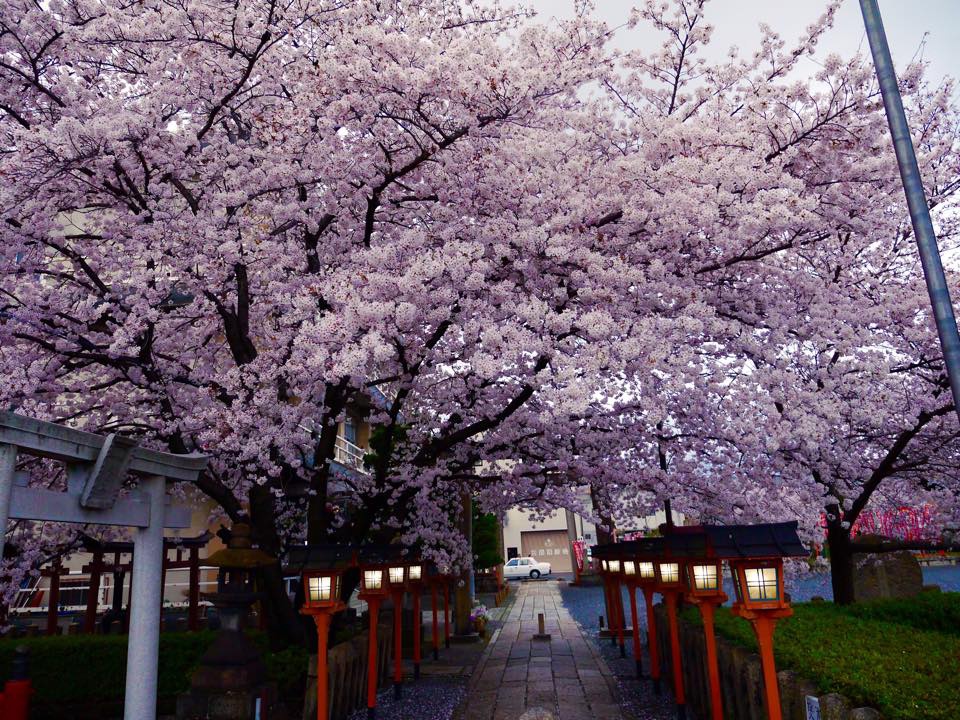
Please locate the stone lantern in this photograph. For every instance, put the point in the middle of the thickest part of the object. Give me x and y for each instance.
(230, 682)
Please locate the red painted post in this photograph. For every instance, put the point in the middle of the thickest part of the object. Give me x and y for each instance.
(707, 610)
(397, 643)
(373, 606)
(677, 665)
(621, 619)
(15, 698)
(193, 612)
(53, 604)
(446, 616)
(652, 645)
(610, 608)
(636, 629)
(434, 604)
(93, 593)
(764, 626)
(322, 621)
(416, 633)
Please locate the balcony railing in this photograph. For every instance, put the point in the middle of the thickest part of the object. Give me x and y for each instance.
(348, 454)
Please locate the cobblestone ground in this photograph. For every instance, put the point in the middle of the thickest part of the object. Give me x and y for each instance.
(433, 698)
(560, 678)
(585, 605)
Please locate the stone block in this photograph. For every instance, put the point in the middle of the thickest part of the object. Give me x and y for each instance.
(886, 575)
(834, 707)
(864, 713)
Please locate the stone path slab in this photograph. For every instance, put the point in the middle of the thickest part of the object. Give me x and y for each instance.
(563, 678)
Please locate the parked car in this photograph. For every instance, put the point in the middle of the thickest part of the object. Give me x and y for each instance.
(525, 567)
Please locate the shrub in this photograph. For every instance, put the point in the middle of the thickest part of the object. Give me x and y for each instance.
(904, 670)
(87, 671)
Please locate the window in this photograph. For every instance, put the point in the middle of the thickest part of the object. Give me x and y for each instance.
(73, 592)
(761, 583)
(525, 561)
(350, 431)
(513, 563)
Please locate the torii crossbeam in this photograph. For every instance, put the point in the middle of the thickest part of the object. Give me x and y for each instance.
(96, 468)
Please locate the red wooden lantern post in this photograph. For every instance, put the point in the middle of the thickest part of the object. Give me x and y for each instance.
(435, 580)
(397, 576)
(704, 582)
(446, 609)
(647, 580)
(630, 580)
(415, 582)
(321, 600)
(755, 554)
(615, 571)
(760, 599)
(373, 589)
(670, 584)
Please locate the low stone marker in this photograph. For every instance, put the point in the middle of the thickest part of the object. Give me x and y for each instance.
(886, 575)
(542, 633)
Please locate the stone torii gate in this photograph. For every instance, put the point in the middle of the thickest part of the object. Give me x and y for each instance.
(96, 468)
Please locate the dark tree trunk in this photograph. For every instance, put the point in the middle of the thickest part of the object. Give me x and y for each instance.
(285, 625)
(841, 557)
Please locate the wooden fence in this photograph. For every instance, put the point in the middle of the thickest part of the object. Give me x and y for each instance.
(347, 665)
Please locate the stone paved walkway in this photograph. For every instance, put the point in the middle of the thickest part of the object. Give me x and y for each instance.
(520, 677)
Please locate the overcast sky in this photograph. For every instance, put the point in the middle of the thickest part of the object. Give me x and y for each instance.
(908, 23)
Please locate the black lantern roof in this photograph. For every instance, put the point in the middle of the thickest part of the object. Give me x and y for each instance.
(319, 557)
(689, 544)
(383, 554)
(642, 548)
(755, 541)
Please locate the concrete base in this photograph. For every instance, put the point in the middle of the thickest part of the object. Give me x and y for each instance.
(542, 636)
(198, 705)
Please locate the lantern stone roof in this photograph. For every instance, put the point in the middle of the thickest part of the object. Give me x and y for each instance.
(755, 541)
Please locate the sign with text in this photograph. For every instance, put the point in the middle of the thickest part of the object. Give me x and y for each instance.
(813, 708)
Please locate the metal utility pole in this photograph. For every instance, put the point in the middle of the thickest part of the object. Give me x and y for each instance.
(916, 198)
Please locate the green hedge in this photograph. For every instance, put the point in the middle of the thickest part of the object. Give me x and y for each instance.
(89, 671)
(876, 654)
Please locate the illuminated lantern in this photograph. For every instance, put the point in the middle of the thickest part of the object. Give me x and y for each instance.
(681, 546)
(705, 590)
(755, 554)
(415, 581)
(373, 561)
(322, 568)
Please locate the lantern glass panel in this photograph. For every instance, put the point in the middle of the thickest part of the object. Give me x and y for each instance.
(705, 577)
(614, 566)
(416, 572)
(372, 579)
(629, 567)
(396, 575)
(762, 583)
(321, 588)
(670, 572)
(646, 570)
(603, 564)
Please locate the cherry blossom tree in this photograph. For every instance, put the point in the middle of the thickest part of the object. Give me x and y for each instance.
(777, 201)
(541, 266)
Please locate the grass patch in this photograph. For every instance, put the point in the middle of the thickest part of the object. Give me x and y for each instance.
(901, 657)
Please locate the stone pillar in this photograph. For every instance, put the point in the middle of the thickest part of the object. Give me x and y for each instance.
(143, 643)
(8, 463)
